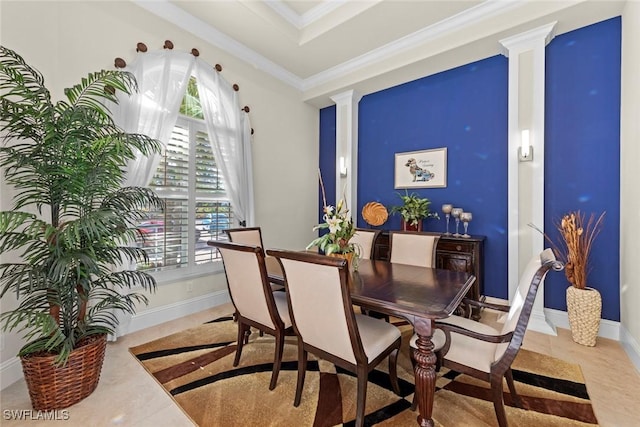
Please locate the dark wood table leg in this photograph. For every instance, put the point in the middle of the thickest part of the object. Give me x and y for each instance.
(424, 370)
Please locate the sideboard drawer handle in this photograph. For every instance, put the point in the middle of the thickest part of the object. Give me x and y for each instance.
(458, 248)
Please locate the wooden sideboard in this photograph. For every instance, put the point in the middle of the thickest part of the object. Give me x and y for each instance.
(452, 253)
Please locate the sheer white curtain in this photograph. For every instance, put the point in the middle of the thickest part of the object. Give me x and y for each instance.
(229, 131)
(162, 78)
(248, 169)
(162, 81)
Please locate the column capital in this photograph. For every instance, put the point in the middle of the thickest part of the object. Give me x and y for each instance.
(349, 96)
(528, 40)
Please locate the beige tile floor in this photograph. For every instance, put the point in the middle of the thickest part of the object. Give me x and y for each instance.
(128, 396)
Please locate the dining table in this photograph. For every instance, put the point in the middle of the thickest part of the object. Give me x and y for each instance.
(421, 295)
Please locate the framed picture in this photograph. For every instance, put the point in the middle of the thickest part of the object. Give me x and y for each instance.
(421, 169)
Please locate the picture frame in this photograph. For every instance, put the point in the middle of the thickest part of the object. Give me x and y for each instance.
(421, 169)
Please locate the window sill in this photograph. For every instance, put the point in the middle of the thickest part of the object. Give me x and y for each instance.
(182, 274)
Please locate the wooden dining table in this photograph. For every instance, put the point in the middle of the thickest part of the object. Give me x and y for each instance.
(420, 295)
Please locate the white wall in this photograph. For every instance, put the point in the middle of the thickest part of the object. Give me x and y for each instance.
(66, 40)
(629, 183)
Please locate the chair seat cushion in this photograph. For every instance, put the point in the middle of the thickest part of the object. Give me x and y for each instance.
(280, 299)
(376, 335)
(465, 350)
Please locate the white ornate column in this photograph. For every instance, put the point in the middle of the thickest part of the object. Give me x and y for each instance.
(526, 53)
(347, 148)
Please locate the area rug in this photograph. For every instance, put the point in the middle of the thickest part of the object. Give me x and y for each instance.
(195, 367)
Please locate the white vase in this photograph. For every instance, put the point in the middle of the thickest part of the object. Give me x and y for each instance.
(584, 307)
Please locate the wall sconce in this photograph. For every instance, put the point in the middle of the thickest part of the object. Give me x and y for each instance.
(343, 167)
(525, 151)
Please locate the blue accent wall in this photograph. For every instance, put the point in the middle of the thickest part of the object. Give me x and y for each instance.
(465, 109)
(327, 156)
(582, 150)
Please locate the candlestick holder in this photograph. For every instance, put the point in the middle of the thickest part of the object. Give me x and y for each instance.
(446, 209)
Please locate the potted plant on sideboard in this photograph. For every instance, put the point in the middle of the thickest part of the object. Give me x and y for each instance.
(67, 242)
(413, 211)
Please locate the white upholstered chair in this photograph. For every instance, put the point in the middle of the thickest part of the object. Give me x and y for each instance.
(478, 350)
(413, 248)
(251, 236)
(365, 239)
(326, 325)
(255, 303)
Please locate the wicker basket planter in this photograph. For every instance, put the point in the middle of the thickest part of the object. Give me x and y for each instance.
(584, 307)
(56, 387)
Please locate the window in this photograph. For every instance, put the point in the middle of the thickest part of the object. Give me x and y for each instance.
(197, 208)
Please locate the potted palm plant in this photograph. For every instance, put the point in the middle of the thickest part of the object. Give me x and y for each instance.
(72, 227)
(414, 210)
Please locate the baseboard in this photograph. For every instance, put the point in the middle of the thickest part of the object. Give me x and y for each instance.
(608, 328)
(540, 323)
(11, 370)
(166, 313)
(560, 319)
(631, 346)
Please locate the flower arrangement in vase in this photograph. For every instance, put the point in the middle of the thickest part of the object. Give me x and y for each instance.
(341, 229)
(584, 304)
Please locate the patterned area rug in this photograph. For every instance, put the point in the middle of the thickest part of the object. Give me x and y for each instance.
(195, 368)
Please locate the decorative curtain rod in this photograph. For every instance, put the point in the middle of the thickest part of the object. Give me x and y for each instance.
(168, 44)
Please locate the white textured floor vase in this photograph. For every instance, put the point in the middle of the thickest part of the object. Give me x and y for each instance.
(584, 307)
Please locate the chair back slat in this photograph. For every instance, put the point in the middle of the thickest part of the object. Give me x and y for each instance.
(417, 249)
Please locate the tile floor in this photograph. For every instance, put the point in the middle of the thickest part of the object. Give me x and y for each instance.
(128, 396)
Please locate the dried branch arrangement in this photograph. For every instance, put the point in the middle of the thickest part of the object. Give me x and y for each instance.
(578, 234)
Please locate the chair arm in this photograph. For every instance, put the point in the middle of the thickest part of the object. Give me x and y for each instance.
(448, 329)
(481, 304)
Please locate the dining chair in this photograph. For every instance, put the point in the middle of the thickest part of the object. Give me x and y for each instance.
(246, 235)
(481, 351)
(413, 248)
(365, 240)
(253, 299)
(326, 325)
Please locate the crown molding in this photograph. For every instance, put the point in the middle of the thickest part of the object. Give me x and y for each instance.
(320, 11)
(165, 10)
(483, 11)
(286, 13)
(309, 17)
